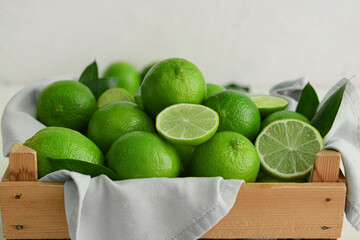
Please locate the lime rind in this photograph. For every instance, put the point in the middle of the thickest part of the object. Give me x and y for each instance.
(114, 95)
(187, 124)
(268, 104)
(292, 155)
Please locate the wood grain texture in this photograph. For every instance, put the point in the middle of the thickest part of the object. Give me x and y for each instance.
(272, 210)
(22, 163)
(284, 210)
(33, 210)
(327, 165)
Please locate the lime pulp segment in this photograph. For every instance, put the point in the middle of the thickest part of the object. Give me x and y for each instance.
(114, 95)
(187, 124)
(287, 148)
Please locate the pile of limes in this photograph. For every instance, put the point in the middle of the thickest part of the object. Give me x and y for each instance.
(168, 122)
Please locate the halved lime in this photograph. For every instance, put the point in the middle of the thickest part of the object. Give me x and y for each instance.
(114, 95)
(268, 104)
(287, 148)
(187, 124)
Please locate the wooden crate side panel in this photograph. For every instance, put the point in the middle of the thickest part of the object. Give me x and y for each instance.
(273, 210)
(33, 210)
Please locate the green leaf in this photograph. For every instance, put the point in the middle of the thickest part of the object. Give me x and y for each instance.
(308, 102)
(100, 85)
(81, 167)
(239, 87)
(325, 116)
(90, 73)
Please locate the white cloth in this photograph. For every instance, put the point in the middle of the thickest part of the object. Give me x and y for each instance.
(154, 208)
(344, 136)
(98, 208)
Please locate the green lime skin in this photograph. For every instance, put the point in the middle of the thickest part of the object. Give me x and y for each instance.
(213, 88)
(67, 104)
(172, 81)
(185, 153)
(127, 74)
(237, 112)
(114, 120)
(229, 155)
(62, 143)
(143, 155)
(281, 115)
(146, 70)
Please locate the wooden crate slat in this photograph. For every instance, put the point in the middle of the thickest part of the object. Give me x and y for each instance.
(273, 210)
(327, 165)
(35, 207)
(290, 210)
(22, 163)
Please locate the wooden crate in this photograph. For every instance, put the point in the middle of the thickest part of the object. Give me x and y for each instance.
(35, 210)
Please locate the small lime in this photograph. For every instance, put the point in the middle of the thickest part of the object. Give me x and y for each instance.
(227, 154)
(62, 143)
(127, 74)
(213, 88)
(143, 155)
(115, 119)
(237, 112)
(114, 95)
(66, 104)
(172, 81)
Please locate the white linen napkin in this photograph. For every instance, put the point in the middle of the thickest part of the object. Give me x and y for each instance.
(98, 208)
(344, 136)
(153, 208)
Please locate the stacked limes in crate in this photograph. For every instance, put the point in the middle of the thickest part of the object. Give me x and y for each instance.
(168, 122)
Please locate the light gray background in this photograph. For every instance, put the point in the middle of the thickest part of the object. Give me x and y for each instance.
(254, 42)
(258, 43)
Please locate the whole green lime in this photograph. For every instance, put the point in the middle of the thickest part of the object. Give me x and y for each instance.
(213, 88)
(146, 70)
(185, 153)
(127, 74)
(115, 119)
(172, 81)
(229, 155)
(62, 143)
(143, 155)
(237, 112)
(281, 115)
(66, 104)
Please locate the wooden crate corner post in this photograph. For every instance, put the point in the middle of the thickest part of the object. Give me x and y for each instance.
(22, 163)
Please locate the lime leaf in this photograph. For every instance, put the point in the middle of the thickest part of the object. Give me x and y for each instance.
(239, 87)
(100, 85)
(90, 73)
(325, 116)
(81, 167)
(308, 102)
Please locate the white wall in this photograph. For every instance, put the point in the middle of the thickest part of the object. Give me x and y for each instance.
(253, 42)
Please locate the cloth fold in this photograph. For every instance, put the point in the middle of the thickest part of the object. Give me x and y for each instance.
(154, 208)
